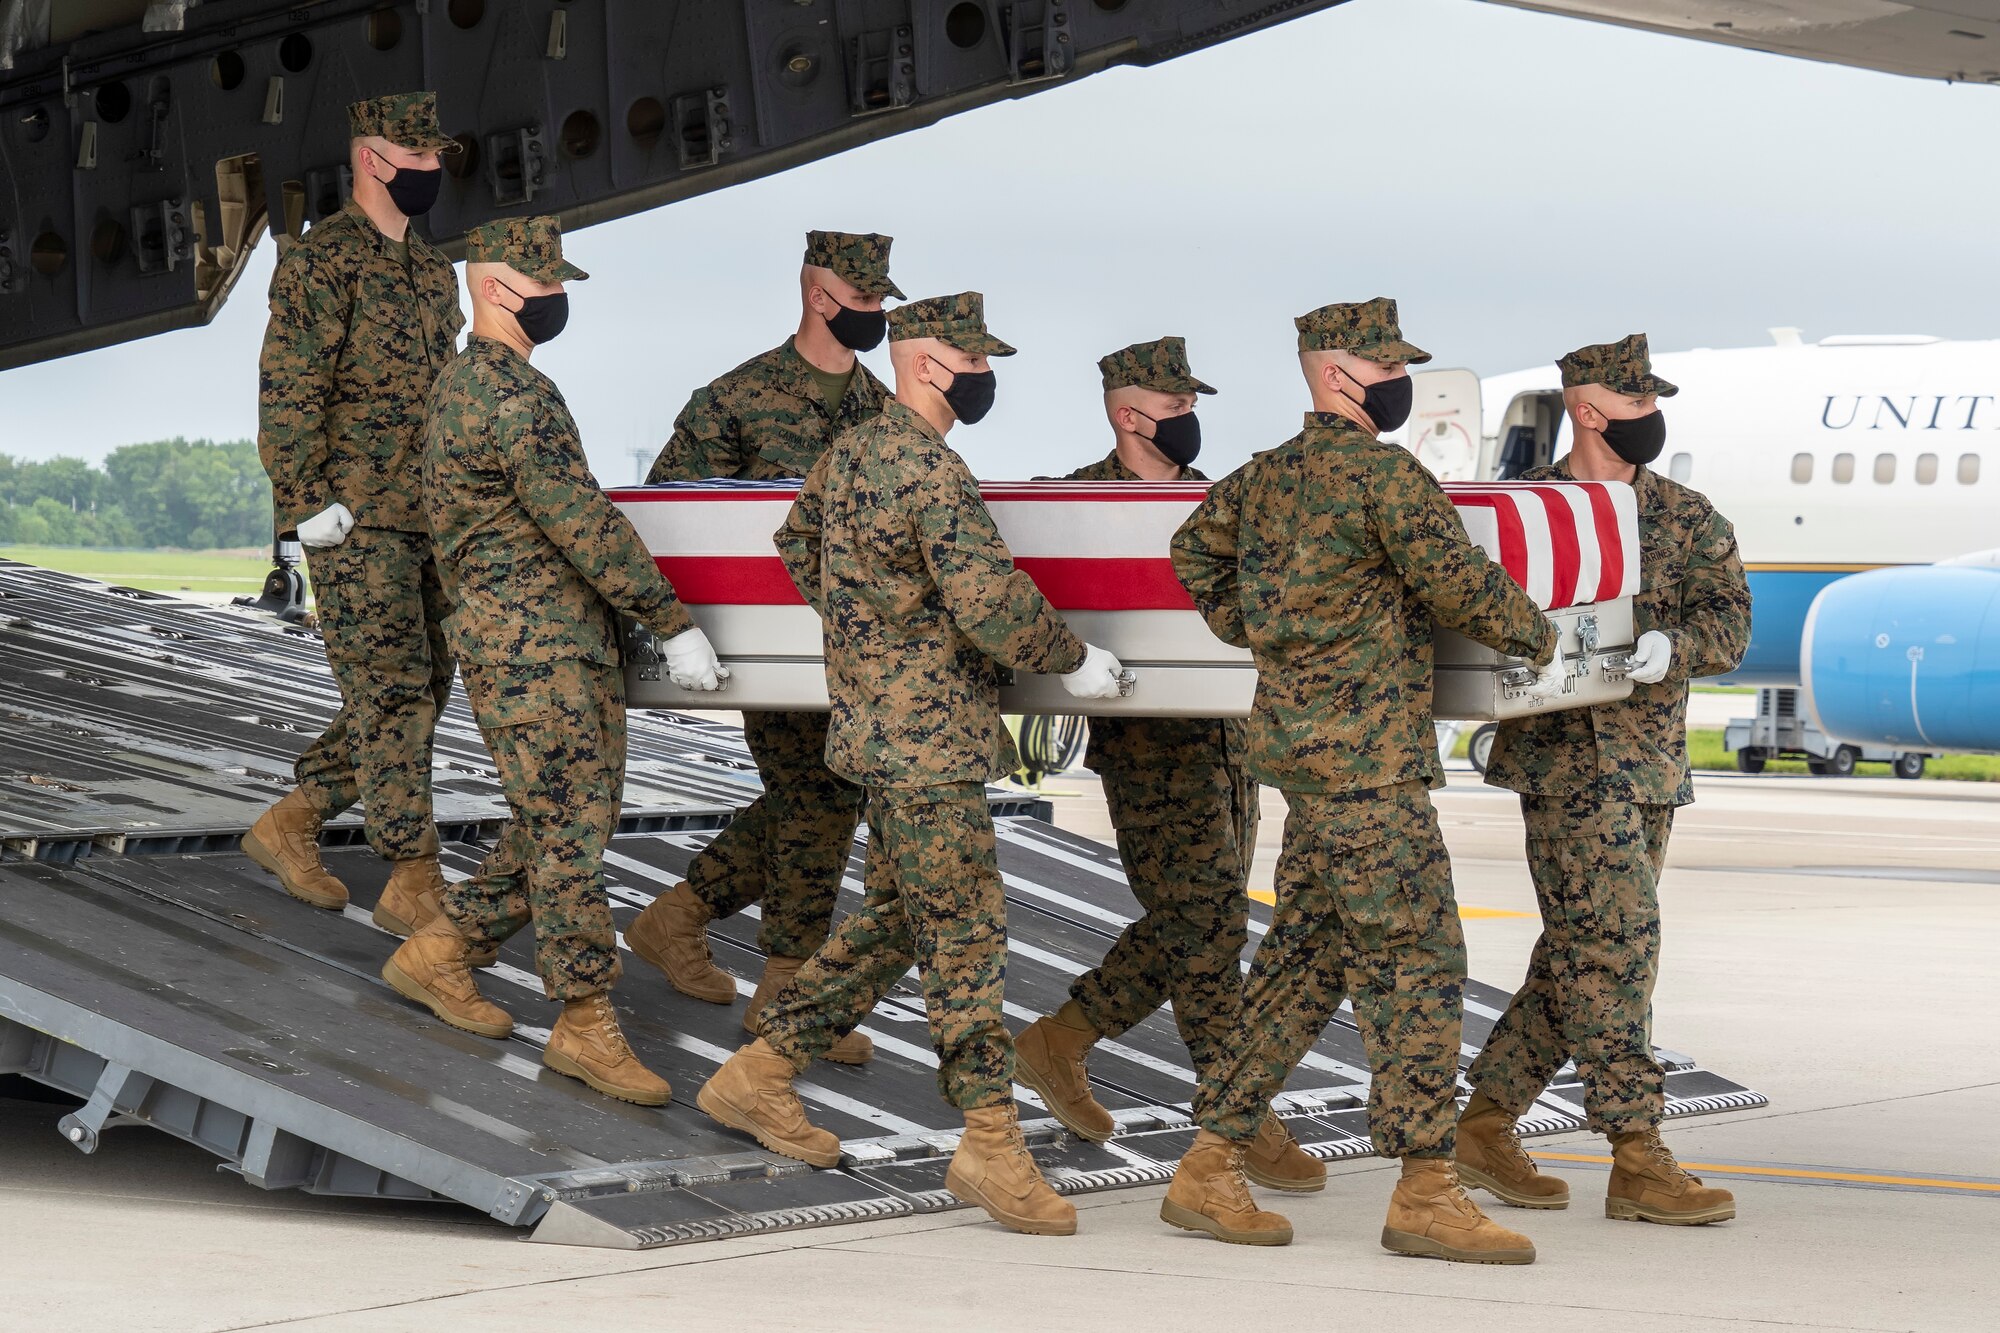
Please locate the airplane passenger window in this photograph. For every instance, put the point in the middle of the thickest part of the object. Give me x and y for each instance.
(1802, 468)
(1885, 468)
(1681, 466)
(1926, 469)
(1968, 468)
(1843, 468)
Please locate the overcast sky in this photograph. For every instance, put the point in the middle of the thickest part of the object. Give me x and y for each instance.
(1522, 184)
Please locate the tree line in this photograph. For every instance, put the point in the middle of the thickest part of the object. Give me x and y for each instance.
(193, 494)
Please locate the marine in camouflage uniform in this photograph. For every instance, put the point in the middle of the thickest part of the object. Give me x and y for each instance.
(891, 543)
(541, 566)
(771, 419)
(1184, 811)
(361, 325)
(1330, 557)
(1598, 788)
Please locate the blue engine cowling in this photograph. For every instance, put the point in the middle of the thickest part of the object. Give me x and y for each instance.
(1908, 658)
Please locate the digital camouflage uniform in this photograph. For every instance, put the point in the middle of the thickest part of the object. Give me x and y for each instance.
(360, 328)
(541, 565)
(1598, 790)
(765, 421)
(1184, 809)
(1330, 557)
(922, 605)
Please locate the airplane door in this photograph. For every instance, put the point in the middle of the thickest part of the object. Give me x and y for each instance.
(1445, 423)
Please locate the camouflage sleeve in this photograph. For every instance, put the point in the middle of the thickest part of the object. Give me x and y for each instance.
(1715, 606)
(798, 540)
(707, 442)
(995, 605)
(1205, 560)
(310, 308)
(1425, 540)
(553, 483)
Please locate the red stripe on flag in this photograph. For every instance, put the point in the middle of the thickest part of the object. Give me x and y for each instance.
(1563, 543)
(1610, 546)
(1107, 584)
(730, 580)
(1513, 537)
(1069, 584)
(782, 492)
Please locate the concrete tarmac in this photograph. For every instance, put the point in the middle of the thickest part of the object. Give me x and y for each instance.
(1830, 943)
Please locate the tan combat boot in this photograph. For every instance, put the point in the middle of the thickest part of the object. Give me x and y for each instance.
(431, 968)
(994, 1170)
(1275, 1160)
(1208, 1194)
(672, 935)
(587, 1043)
(413, 898)
(1431, 1215)
(854, 1048)
(1490, 1156)
(752, 1092)
(1048, 1057)
(285, 841)
(1649, 1185)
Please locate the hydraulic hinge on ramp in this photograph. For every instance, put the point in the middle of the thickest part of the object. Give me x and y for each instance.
(271, 1140)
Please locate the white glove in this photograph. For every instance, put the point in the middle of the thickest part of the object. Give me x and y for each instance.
(1097, 678)
(692, 663)
(1651, 657)
(329, 527)
(1549, 680)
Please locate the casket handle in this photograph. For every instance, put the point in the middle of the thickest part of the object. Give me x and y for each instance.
(642, 650)
(1127, 682)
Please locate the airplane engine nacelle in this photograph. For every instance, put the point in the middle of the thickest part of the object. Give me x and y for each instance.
(1908, 658)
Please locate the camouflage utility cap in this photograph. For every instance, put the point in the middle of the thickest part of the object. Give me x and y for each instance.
(860, 257)
(408, 120)
(531, 247)
(1366, 328)
(1624, 366)
(1160, 365)
(959, 320)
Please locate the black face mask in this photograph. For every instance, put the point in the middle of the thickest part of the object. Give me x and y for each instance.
(1388, 402)
(413, 190)
(970, 395)
(1177, 438)
(541, 317)
(858, 330)
(1638, 440)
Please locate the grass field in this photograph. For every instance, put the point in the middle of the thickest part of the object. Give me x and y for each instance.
(156, 571)
(1705, 752)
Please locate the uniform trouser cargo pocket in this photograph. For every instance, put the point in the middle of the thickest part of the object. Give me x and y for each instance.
(1364, 906)
(557, 734)
(1589, 989)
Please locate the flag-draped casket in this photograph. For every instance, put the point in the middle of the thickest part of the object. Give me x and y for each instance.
(1100, 552)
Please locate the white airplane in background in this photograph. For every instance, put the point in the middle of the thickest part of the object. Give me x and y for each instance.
(1862, 474)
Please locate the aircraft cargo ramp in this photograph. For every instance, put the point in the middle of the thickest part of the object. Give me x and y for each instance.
(147, 968)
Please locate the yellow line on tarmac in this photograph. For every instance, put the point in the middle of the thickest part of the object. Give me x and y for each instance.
(1796, 1173)
(1268, 898)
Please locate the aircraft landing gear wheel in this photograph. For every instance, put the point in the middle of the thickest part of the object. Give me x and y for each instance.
(1749, 761)
(1909, 765)
(1480, 748)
